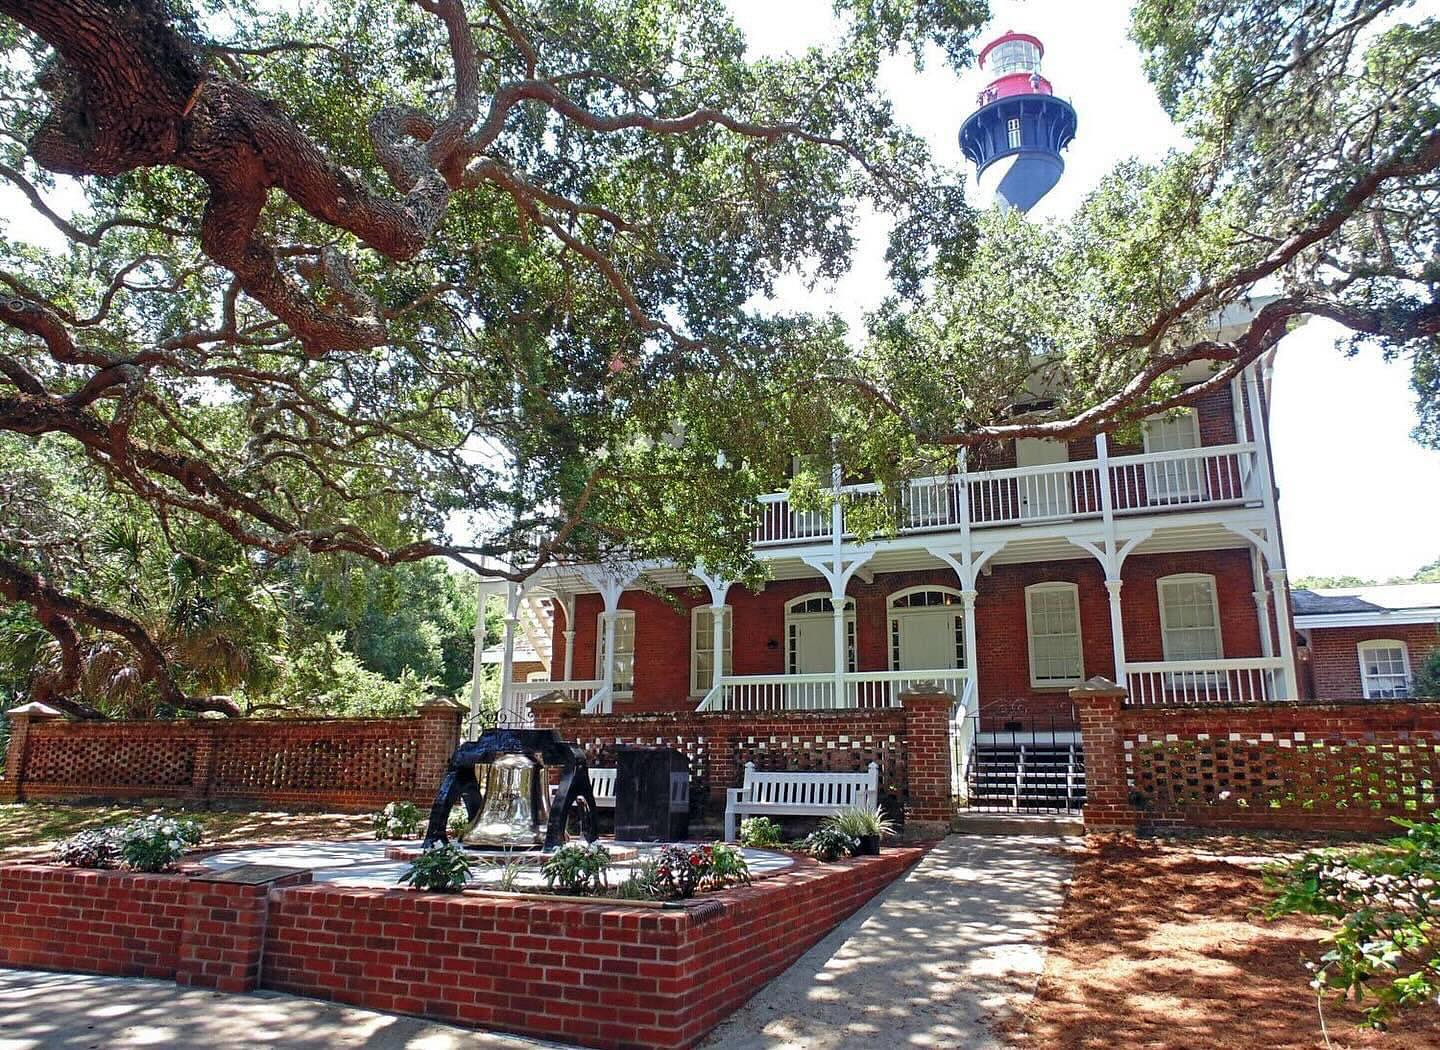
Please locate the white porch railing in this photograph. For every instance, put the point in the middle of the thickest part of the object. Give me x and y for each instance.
(524, 692)
(1214, 475)
(1240, 681)
(858, 689)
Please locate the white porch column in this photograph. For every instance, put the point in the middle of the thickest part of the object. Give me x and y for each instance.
(483, 590)
(967, 601)
(1281, 591)
(1117, 628)
(611, 584)
(607, 673)
(719, 589)
(1262, 604)
(567, 605)
(509, 712)
(1111, 551)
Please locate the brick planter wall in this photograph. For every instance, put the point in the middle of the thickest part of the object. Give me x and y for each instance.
(342, 764)
(599, 974)
(1299, 765)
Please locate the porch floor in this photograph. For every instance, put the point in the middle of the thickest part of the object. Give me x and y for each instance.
(943, 955)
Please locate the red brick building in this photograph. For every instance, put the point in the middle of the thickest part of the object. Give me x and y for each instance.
(1012, 578)
(1367, 642)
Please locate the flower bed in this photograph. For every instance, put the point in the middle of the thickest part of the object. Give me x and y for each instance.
(596, 973)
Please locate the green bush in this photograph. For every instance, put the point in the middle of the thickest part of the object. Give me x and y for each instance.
(440, 869)
(760, 833)
(1427, 682)
(577, 869)
(1385, 903)
(682, 870)
(398, 820)
(155, 843)
(97, 848)
(827, 844)
(856, 821)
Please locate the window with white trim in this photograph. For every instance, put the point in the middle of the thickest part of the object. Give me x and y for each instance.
(702, 647)
(1052, 614)
(1012, 132)
(1175, 479)
(1384, 669)
(1189, 617)
(624, 651)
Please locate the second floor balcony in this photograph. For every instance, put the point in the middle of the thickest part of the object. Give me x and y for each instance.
(1190, 479)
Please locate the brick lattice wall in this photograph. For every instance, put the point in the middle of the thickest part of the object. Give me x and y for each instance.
(1306, 766)
(335, 763)
(719, 744)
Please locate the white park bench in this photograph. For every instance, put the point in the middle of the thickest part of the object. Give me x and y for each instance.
(793, 794)
(602, 783)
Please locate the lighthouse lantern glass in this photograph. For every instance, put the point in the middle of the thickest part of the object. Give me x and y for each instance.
(1013, 56)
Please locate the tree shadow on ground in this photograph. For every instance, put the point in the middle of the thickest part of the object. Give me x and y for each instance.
(1161, 945)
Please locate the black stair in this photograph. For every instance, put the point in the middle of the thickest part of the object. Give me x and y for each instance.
(1027, 775)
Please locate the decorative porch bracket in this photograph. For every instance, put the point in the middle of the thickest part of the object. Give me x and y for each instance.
(719, 589)
(1111, 551)
(838, 567)
(610, 581)
(967, 560)
(1266, 540)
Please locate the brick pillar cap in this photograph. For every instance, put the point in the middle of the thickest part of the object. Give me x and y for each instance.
(921, 692)
(1099, 686)
(35, 709)
(441, 703)
(557, 703)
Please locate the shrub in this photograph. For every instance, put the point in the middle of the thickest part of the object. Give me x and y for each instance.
(828, 844)
(1386, 902)
(577, 869)
(440, 869)
(1427, 682)
(643, 883)
(459, 822)
(760, 832)
(857, 821)
(155, 843)
(89, 849)
(398, 820)
(681, 870)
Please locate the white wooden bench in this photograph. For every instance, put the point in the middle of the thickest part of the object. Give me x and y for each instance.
(793, 794)
(602, 783)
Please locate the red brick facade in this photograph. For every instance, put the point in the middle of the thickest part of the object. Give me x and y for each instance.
(1296, 765)
(597, 974)
(1332, 660)
(662, 635)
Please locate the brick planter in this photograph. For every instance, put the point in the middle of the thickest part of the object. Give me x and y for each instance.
(602, 975)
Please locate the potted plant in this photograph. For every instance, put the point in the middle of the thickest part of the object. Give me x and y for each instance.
(866, 826)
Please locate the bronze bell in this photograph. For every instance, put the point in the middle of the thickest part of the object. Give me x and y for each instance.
(516, 805)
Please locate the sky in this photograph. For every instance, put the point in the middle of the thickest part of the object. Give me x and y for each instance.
(1357, 495)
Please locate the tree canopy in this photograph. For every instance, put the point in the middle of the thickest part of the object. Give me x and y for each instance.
(378, 281)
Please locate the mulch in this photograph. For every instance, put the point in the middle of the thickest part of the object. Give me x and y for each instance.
(1162, 945)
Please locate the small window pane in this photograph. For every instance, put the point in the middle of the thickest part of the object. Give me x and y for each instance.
(1384, 670)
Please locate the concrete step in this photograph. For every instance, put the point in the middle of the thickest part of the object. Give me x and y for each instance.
(975, 822)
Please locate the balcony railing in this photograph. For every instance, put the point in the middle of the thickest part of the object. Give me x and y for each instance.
(856, 690)
(1243, 681)
(1211, 476)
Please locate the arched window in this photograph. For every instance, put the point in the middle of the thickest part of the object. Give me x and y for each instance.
(809, 634)
(927, 629)
(1384, 669)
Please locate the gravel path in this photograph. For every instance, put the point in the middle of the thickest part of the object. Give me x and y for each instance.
(939, 958)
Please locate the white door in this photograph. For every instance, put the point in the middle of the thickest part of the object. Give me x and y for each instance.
(812, 651)
(1045, 494)
(927, 639)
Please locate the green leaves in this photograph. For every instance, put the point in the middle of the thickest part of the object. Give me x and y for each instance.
(1385, 901)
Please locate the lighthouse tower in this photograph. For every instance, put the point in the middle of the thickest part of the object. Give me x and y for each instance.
(1016, 135)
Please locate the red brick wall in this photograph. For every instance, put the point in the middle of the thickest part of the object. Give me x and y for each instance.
(1299, 765)
(353, 764)
(718, 745)
(597, 975)
(662, 646)
(106, 922)
(1335, 660)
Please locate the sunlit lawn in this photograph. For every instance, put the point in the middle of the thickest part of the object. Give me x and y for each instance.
(28, 829)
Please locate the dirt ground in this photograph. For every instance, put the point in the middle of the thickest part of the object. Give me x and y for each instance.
(1161, 945)
(28, 830)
